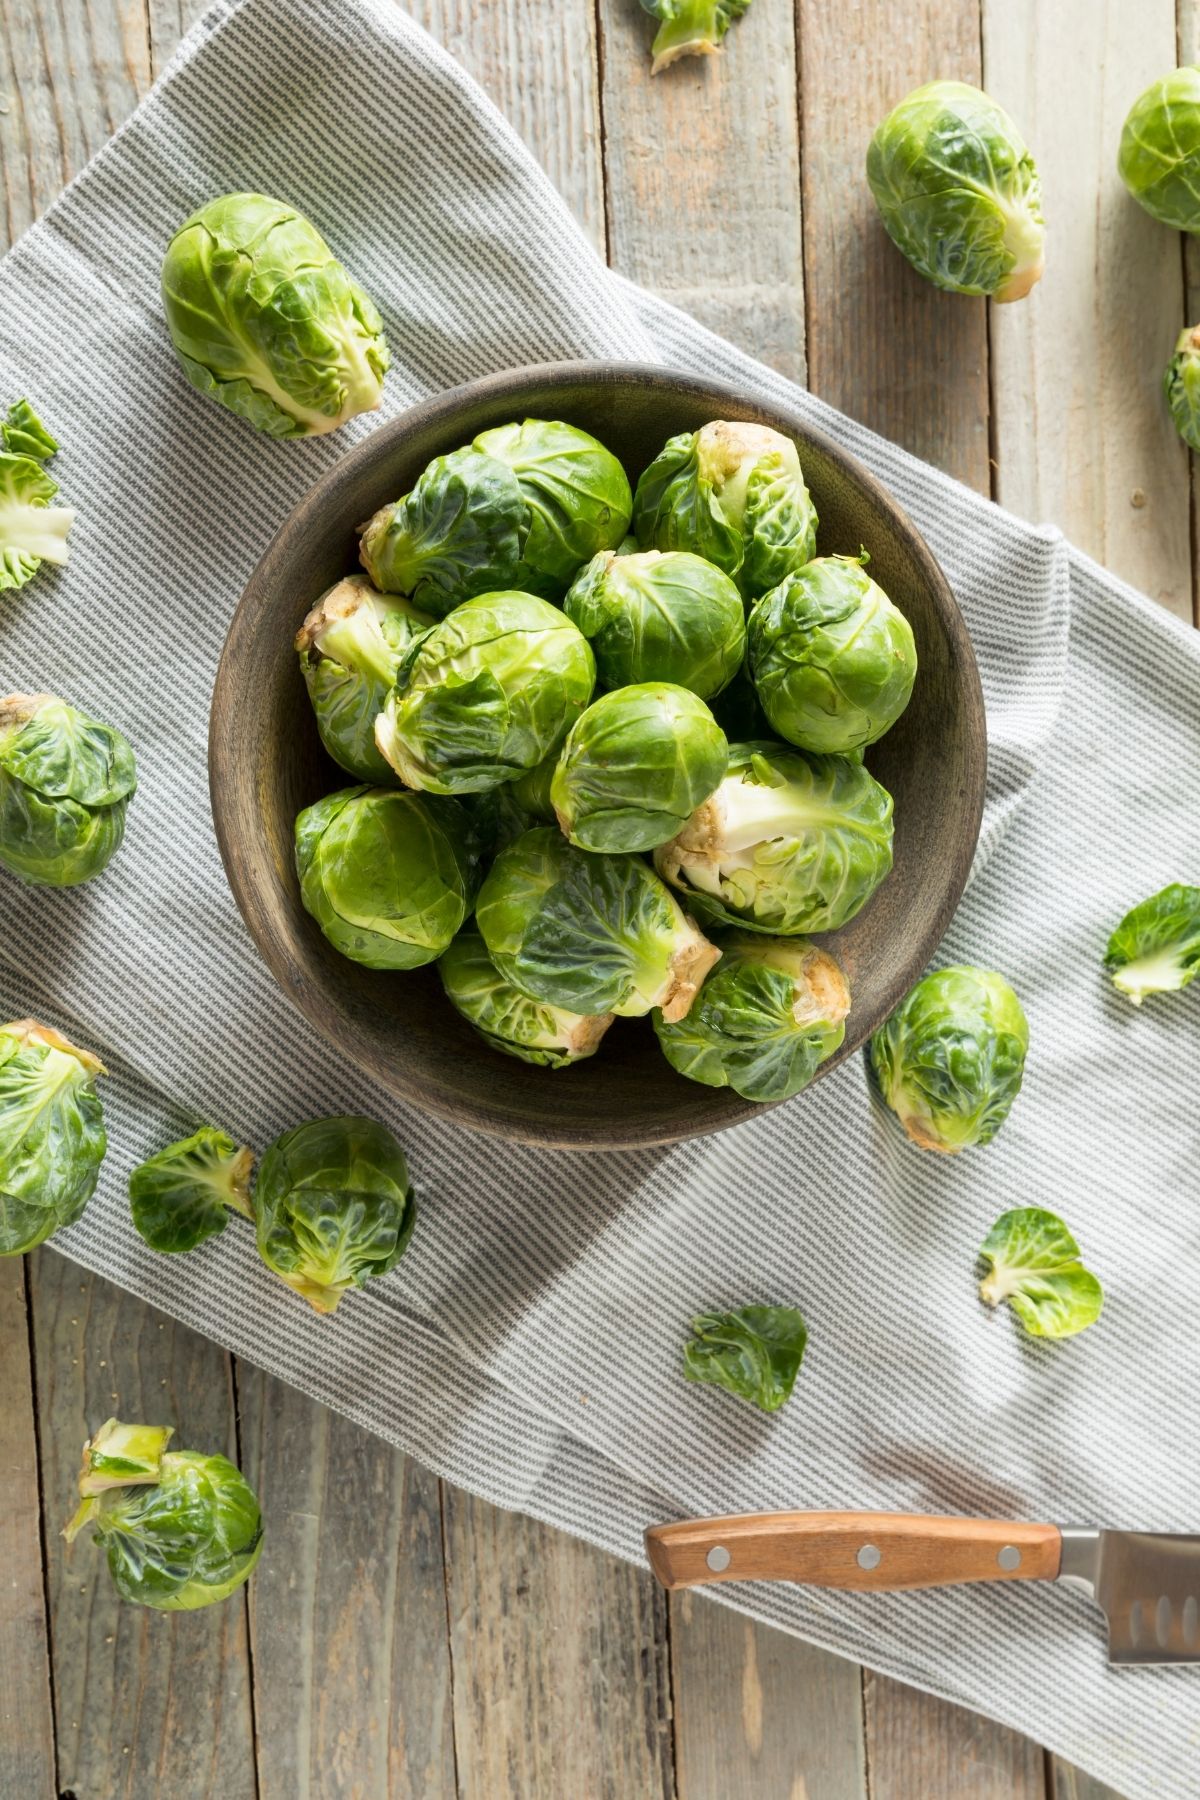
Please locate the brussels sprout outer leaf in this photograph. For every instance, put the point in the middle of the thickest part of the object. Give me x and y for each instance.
(690, 27)
(576, 492)
(951, 1058)
(460, 532)
(660, 616)
(52, 1138)
(23, 434)
(1181, 385)
(123, 1456)
(1035, 1266)
(65, 781)
(754, 1352)
(1156, 947)
(1159, 156)
(350, 648)
(31, 530)
(183, 1194)
(509, 1020)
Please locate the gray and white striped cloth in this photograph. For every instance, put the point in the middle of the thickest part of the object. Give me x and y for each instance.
(528, 1346)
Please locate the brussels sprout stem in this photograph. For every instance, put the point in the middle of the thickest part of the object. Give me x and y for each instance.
(689, 965)
(1024, 235)
(1162, 973)
(1000, 1284)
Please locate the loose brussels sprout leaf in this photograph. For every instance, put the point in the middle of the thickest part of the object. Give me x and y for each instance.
(350, 647)
(266, 321)
(591, 934)
(389, 877)
(65, 782)
(690, 27)
(31, 530)
(950, 1059)
(509, 1020)
(460, 532)
(577, 494)
(52, 1139)
(1181, 384)
(486, 695)
(958, 192)
(635, 765)
(123, 1456)
(183, 1536)
(767, 1017)
(23, 434)
(789, 843)
(754, 1352)
(832, 659)
(733, 494)
(1035, 1266)
(1156, 947)
(183, 1194)
(1159, 158)
(333, 1206)
(660, 617)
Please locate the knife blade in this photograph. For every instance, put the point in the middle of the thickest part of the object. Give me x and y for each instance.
(1146, 1583)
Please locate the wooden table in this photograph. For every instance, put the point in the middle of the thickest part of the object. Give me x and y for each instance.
(402, 1638)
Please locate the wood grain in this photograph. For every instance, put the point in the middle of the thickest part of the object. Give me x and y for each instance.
(921, 1748)
(1067, 1783)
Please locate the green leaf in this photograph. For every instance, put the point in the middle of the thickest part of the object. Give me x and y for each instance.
(23, 434)
(52, 1138)
(1035, 1266)
(754, 1352)
(1156, 947)
(31, 530)
(183, 1194)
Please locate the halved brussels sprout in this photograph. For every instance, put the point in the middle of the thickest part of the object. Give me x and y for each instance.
(635, 765)
(350, 647)
(459, 532)
(754, 1352)
(23, 434)
(52, 1138)
(389, 877)
(950, 1059)
(65, 782)
(1181, 384)
(690, 27)
(31, 530)
(1159, 158)
(734, 494)
(184, 1194)
(832, 659)
(1035, 1266)
(509, 1020)
(789, 843)
(1156, 947)
(958, 192)
(333, 1206)
(180, 1530)
(660, 616)
(486, 695)
(770, 1013)
(576, 492)
(266, 321)
(592, 934)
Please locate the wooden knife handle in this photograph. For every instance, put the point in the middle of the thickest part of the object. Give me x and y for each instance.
(873, 1552)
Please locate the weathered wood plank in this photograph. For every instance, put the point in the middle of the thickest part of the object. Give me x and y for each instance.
(1067, 1783)
(146, 1703)
(918, 1747)
(167, 20)
(26, 1717)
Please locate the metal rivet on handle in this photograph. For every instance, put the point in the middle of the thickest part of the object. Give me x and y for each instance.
(718, 1559)
(1009, 1557)
(869, 1557)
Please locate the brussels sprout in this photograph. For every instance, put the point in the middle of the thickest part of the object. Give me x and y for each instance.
(183, 1194)
(661, 616)
(754, 1352)
(350, 647)
(23, 434)
(576, 492)
(593, 934)
(1181, 384)
(635, 765)
(765, 1020)
(334, 1206)
(789, 843)
(735, 495)
(1156, 947)
(65, 781)
(690, 27)
(458, 533)
(180, 1530)
(738, 710)
(950, 1059)
(52, 1139)
(267, 322)
(833, 660)
(486, 695)
(1159, 158)
(389, 877)
(31, 530)
(1035, 1266)
(509, 1020)
(958, 192)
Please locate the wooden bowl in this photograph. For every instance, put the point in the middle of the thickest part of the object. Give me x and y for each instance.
(266, 762)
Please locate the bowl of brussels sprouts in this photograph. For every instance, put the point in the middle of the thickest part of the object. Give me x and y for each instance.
(596, 755)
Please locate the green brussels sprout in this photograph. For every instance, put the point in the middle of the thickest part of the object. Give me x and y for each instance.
(950, 1059)
(958, 192)
(350, 647)
(754, 1352)
(690, 27)
(389, 877)
(576, 492)
(768, 1016)
(180, 1530)
(832, 659)
(31, 530)
(486, 695)
(593, 934)
(267, 322)
(52, 1138)
(23, 434)
(333, 1206)
(635, 766)
(458, 533)
(65, 782)
(184, 1194)
(1156, 947)
(1181, 384)
(789, 843)
(1034, 1265)
(661, 616)
(734, 494)
(509, 1020)
(1159, 158)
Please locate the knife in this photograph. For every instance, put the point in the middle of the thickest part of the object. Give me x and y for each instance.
(1147, 1583)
